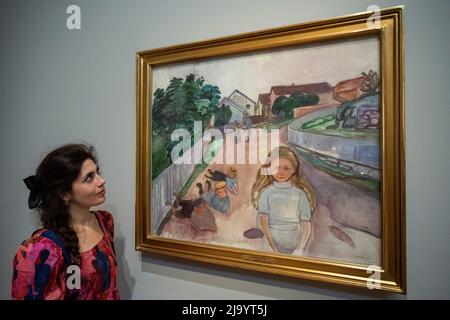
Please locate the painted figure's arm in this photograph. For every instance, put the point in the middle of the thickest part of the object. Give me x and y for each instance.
(264, 219)
(306, 233)
(234, 189)
(233, 186)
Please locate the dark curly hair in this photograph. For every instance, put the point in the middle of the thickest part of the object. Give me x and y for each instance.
(55, 175)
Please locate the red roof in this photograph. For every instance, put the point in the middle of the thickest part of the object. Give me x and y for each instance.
(321, 87)
(264, 98)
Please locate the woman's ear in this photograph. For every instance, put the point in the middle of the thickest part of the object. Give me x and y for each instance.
(65, 196)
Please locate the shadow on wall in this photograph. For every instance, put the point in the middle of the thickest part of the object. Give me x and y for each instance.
(125, 281)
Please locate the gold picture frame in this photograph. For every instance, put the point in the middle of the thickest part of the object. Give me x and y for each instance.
(387, 27)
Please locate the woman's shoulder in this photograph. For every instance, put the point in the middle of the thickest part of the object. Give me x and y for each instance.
(107, 219)
(38, 264)
(104, 214)
(42, 243)
(41, 237)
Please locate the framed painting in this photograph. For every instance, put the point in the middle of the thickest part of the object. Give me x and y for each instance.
(279, 151)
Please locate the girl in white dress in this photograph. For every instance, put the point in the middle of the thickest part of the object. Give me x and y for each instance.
(285, 201)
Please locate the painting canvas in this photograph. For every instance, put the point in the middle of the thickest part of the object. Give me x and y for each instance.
(278, 151)
(324, 102)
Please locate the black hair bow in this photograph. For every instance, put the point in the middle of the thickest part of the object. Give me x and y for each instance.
(34, 199)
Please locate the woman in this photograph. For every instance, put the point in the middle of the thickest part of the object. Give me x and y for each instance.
(73, 256)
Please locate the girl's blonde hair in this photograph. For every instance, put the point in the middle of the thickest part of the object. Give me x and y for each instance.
(298, 179)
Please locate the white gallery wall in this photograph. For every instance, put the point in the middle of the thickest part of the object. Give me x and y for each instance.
(59, 86)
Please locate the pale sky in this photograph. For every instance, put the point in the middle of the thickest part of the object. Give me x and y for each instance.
(255, 73)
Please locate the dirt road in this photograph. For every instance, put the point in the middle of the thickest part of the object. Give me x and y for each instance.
(324, 242)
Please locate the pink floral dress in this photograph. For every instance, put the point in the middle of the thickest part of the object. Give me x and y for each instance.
(40, 267)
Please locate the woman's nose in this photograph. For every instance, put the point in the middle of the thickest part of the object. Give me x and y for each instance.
(101, 180)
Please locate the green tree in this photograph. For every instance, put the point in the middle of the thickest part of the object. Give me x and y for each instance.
(178, 106)
(286, 106)
(223, 115)
(279, 105)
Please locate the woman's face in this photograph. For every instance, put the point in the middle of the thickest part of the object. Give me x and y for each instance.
(285, 170)
(88, 189)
